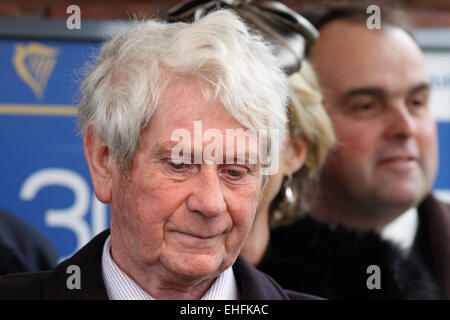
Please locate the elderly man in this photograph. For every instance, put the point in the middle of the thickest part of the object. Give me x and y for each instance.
(376, 91)
(177, 225)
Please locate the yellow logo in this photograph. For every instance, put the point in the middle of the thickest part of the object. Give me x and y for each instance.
(34, 64)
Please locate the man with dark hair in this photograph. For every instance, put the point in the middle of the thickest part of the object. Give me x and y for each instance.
(376, 91)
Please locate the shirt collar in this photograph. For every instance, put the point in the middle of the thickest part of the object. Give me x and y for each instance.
(120, 286)
(402, 231)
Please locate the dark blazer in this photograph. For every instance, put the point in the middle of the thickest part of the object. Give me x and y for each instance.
(432, 243)
(22, 248)
(252, 284)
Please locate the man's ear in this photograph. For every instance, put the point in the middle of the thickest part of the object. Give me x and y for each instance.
(100, 161)
(295, 156)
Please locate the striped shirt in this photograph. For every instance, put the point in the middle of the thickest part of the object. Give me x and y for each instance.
(120, 286)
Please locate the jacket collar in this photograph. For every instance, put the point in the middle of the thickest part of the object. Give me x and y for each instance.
(88, 259)
(437, 216)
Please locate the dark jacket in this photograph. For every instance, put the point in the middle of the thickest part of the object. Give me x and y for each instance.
(432, 243)
(22, 248)
(252, 284)
(313, 257)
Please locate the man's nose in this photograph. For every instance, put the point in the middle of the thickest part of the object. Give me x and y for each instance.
(401, 123)
(207, 196)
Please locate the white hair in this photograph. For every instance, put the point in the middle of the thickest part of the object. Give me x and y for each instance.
(122, 90)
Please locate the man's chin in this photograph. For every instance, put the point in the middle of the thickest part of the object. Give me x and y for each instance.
(401, 197)
(191, 267)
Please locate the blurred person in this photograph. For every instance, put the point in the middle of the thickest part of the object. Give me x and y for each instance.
(380, 176)
(303, 252)
(22, 248)
(176, 227)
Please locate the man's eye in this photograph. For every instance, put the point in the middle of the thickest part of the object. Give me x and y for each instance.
(234, 173)
(177, 166)
(418, 102)
(365, 107)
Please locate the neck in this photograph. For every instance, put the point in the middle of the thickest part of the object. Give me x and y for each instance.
(258, 239)
(335, 208)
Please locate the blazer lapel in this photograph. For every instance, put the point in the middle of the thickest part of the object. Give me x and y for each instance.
(88, 259)
(253, 284)
(438, 216)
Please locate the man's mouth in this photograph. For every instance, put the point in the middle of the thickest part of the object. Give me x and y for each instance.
(201, 236)
(400, 161)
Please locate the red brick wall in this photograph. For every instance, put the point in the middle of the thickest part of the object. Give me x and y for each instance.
(424, 13)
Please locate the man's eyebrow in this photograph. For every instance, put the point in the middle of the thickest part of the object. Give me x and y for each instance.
(165, 149)
(424, 86)
(379, 92)
(371, 91)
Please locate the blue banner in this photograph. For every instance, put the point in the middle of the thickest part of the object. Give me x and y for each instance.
(45, 178)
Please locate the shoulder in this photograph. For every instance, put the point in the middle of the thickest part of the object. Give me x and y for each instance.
(432, 239)
(13, 229)
(23, 286)
(432, 204)
(9, 262)
(54, 285)
(31, 249)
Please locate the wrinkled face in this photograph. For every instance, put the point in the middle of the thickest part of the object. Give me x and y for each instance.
(376, 92)
(184, 220)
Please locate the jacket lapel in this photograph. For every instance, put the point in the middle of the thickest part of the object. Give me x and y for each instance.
(89, 261)
(253, 284)
(438, 217)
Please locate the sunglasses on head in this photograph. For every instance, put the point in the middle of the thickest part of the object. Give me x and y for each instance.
(290, 32)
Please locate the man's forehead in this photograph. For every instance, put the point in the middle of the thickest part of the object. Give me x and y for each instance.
(348, 56)
(199, 153)
(187, 99)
